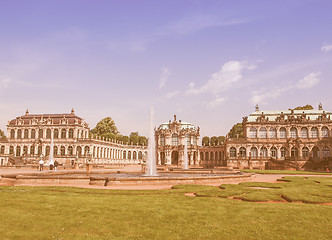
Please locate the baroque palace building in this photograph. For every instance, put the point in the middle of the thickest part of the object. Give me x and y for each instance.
(29, 139)
(282, 139)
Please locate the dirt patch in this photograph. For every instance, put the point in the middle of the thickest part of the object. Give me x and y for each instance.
(190, 194)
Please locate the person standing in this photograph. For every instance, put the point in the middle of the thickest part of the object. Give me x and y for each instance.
(41, 165)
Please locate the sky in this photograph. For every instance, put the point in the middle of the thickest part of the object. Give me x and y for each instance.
(207, 61)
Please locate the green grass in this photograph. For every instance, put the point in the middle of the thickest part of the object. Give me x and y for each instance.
(291, 172)
(75, 213)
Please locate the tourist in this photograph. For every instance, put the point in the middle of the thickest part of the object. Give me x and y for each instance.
(41, 165)
(56, 164)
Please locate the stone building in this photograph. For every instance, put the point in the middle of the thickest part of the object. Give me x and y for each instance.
(29, 139)
(291, 139)
(175, 136)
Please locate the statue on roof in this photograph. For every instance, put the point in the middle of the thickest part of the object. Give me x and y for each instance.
(257, 108)
(320, 106)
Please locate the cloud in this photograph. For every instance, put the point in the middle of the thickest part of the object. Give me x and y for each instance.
(326, 48)
(309, 81)
(261, 97)
(230, 73)
(165, 73)
(5, 82)
(172, 94)
(216, 102)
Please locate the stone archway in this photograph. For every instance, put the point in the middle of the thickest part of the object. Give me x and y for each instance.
(162, 158)
(175, 158)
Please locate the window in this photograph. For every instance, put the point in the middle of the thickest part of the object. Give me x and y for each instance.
(188, 139)
(48, 133)
(33, 133)
(326, 152)
(56, 133)
(325, 132)
(232, 152)
(253, 132)
(294, 152)
(70, 151)
(63, 133)
(55, 151)
(129, 155)
(11, 150)
(282, 132)
(40, 150)
(283, 152)
(305, 152)
(18, 151)
(62, 151)
(263, 132)
(274, 152)
(211, 156)
(32, 150)
(25, 150)
(304, 132)
(253, 152)
(206, 156)
(273, 133)
(242, 152)
(140, 155)
(124, 155)
(263, 152)
(175, 139)
(71, 133)
(2, 150)
(79, 151)
(134, 155)
(162, 140)
(26, 133)
(86, 150)
(48, 150)
(293, 132)
(19, 133)
(40, 133)
(314, 132)
(12, 133)
(315, 152)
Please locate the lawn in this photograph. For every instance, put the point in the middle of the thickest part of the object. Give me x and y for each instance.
(75, 213)
(287, 172)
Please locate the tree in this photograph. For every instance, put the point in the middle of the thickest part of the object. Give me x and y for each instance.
(306, 107)
(205, 141)
(221, 139)
(2, 134)
(105, 127)
(143, 141)
(134, 137)
(214, 140)
(236, 131)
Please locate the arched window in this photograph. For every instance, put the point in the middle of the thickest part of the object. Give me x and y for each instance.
(232, 152)
(124, 155)
(282, 132)
(19, 133)
(70, 151)
(253, 132)
(294, 152)
(12, 133)
(162, 140)
(63, 133)
(56, 133)
(305, 152)
(86, 150)
(48, 150)
(32, 150)
(175, 139)
(79, 151)
(40, 133)
(33, 133)
(195, 141)
(48, 133)
(188, 139)
(304, 132)
(2, 150)
(325, 132)
(40, 150)
(71, 133)
(274, 152)
(140, 155)
(202, 156)
(18, 151)
(262, 132)
(25, 150)
(129, 154)
(26, 133)
(253, 152)
(315, 152)
(314, 132)
(293, 132)
(11, 150)
(272, 133)
(134, 155)
(62, 151)
(55, 151)
(326, 152)
(263, 152)
(243, 152)
(211, 156)
(283, 152)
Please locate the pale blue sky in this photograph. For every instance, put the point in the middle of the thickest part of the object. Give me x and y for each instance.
(207, 61)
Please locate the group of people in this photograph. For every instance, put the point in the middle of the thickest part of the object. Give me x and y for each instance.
(53, 165)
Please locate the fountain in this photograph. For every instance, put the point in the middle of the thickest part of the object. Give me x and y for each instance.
(151, 167)
(185, 164)
(51, 157)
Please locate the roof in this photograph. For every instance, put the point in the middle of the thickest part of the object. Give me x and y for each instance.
(184, 125)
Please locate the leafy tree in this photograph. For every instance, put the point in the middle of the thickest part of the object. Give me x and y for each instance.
(205, 141)
(134, 137)
(214, 140)
(221, 139)
(236, 131)
(104, 127)
(2, 134)
(306, 107)
(142, 140)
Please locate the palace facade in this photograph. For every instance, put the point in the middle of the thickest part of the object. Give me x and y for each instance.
(282, 139)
